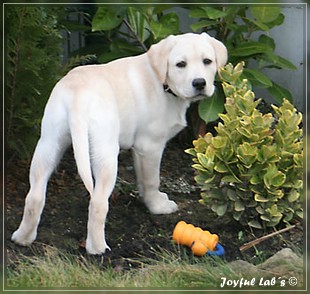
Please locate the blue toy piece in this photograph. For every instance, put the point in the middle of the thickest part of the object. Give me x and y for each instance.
(219, 250)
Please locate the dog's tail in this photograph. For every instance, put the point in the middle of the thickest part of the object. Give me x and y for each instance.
(80, 143)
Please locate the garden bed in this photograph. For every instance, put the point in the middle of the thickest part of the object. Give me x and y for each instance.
(131, 231)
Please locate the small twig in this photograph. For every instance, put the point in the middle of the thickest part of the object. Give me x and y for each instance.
(246, 246)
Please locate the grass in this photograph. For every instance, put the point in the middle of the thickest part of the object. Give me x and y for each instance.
(58, 270)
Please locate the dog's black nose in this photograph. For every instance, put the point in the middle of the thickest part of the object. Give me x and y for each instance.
(199, 84)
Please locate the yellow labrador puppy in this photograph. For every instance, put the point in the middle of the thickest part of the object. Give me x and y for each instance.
(136, 102)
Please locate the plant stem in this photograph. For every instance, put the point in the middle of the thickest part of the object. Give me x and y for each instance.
(261, 239)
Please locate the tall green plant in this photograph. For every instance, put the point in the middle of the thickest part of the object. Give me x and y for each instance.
(244, 30)
(33, 51)
(131, 30)
(252, 170)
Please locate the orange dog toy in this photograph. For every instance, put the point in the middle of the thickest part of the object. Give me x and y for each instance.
(198, 240)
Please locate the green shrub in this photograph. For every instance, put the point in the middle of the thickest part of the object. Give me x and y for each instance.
(252, 169)
(33, 64)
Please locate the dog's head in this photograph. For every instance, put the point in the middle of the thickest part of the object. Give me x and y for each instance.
(188, 63)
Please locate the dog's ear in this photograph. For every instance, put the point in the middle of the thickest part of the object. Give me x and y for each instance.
(158, 56)
(220, 50)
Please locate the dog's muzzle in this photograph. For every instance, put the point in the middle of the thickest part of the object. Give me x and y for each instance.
(199, 84)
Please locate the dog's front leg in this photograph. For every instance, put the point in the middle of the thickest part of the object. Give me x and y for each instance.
(147, 166)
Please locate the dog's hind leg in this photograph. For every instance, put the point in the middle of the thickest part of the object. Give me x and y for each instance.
(104, 155)
(47, 154)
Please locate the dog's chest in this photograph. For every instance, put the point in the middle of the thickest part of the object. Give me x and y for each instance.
(170, 121)
(159, 126)
(175, 124)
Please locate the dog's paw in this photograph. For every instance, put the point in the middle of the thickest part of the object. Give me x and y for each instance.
(160, 204)
(96, 249)
(20, 238)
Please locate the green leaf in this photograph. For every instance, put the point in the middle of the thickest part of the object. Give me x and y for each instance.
(267, 40)
(119, 49)
(166, 25)
(220, 209)
(109, 56)
(201, 178)
(230, 74)
(205, 161)
(247, 154)
(219, 142)
(232, 195)
(257, 76)
(268, 153)
(220, 167)
(265, 218)
(213, 195)
(293, 196)
(70, 26)
(265, 14)
(201, 144)
(230, 179)
(239, 206)
(199, 167)
(108, 18)
(207, 12)
(278, 61)
(210, 108)
(260, 210)
(298, 184)
(255, 224)
(198, 12)
(260, 198)
(288, 217)
(237, 215)
(259, 24)
(203, 24)
(274, 221)
(125, 46)
(214, 13)
(273, 177)
(284, 63)
(256, 179)
(274, 211)
(278, 21)
(191, 151)
(138, 23)
(278, 93)
(250, 48)
(208, 180)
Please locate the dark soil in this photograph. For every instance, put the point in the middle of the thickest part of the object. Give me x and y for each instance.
(131, 231)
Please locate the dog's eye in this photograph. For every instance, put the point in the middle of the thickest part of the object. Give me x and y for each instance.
(207, 61)
(181, 64)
